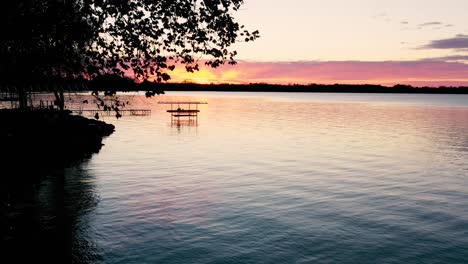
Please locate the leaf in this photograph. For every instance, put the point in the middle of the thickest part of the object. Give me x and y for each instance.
(165, 76)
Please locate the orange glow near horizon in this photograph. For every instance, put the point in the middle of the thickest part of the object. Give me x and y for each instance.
(204, 76)
(417, 73)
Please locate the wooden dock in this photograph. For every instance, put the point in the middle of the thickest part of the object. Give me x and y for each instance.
(128, 112)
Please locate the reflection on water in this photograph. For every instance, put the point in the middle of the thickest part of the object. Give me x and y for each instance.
(272, 178)
(184, 123)
(47, 220)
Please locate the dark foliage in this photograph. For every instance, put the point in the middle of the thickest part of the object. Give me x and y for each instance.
(89, 38)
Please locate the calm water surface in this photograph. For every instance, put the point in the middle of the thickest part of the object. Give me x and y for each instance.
(279, 178)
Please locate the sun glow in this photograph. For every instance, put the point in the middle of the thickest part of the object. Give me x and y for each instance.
(204, 76)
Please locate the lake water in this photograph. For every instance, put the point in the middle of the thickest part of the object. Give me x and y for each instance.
(278, 178)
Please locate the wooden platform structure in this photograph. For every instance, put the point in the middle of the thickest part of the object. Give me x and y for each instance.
(183, 109)
(130, 112)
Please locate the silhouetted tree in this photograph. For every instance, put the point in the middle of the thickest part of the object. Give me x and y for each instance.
(146, 39)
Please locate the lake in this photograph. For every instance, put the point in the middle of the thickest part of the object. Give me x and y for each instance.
(276, 178)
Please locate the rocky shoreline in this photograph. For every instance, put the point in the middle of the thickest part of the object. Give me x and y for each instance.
(32, 141)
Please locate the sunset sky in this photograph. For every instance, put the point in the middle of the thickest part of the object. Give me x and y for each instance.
(418, 42)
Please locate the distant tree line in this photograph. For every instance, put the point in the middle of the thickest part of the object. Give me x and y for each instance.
(318, 88)
(112, 83)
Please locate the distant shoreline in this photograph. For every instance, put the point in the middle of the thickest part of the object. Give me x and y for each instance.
(314, 88)
(118, 84)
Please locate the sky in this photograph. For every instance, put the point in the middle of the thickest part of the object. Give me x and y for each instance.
(417, 42)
